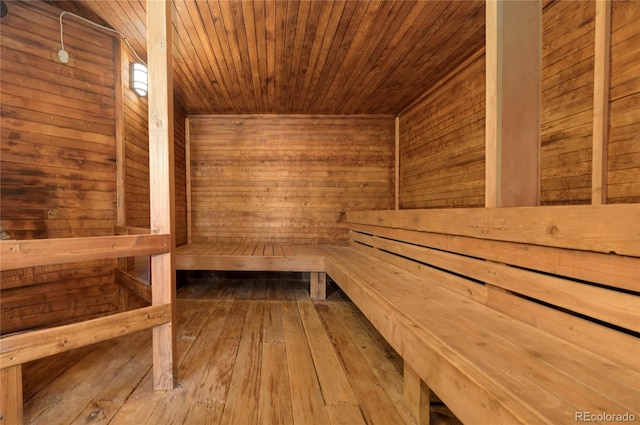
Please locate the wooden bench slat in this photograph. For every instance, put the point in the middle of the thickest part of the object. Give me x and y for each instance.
(247, 257)
(613, 270)
(575, 226)
(435, 308)
(618, 308)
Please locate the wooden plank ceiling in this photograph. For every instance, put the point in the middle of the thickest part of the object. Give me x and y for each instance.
(307, 57)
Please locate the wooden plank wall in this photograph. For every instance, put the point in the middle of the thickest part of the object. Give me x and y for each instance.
(442, 143)
(136, 138)
(567, 102)
(442, 135)
(624, 125)
(57, 170)
(287, 178)
(179, 140)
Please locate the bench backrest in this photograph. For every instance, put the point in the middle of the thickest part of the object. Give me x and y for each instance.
(572, 271)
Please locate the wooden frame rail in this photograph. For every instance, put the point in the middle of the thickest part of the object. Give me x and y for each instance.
(20, 348)
(24, 347)
(42, 252)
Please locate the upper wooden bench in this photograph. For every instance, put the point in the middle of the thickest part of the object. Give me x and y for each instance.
(510, 315)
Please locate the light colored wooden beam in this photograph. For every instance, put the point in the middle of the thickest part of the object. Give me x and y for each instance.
(162, 184)
(416, 396)
(187, 156)
(25, 347)
(318, 286)
(602, 228)
(602, 59)
(121, 206)
(397, 165)
(42, 252)
(133, 284)
(11, 403)
(513, 55)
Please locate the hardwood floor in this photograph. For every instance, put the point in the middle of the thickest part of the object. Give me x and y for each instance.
(253, 349)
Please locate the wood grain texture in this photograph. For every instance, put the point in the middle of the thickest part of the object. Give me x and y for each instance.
(568, 39)
(58, 161)
(435, 334)
(624, 124)
(603, 228)
(162, 187)
(286, 179)
(58, 127)
(24, 347)
(442, 143)
(267, 56)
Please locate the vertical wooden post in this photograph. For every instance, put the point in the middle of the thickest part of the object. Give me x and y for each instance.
(512, 135)
(162, 184)
(318, 286)
(397, 165)
(121, 208)
(11, 403)
(416, 396)
(602, 59)
(187, 155)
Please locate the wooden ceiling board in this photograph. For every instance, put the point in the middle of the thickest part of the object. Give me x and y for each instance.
(304, 57)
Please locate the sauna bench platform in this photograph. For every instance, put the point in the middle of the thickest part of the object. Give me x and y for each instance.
(251, 257)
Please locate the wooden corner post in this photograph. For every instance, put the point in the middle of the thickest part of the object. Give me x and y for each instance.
(512, 132)
(602, 60)
(161, 181)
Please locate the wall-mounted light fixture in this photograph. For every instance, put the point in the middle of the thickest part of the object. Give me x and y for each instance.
(138, 78)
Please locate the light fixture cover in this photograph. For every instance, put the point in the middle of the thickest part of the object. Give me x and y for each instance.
(139, 78)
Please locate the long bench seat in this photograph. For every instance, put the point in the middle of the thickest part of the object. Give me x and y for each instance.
(509, 315)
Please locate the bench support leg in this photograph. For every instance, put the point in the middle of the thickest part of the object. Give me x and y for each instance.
(416, 396)
(11, 396)
(318, 288)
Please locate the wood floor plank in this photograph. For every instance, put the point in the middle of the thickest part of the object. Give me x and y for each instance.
(204, 413)
(192, 316)
(273, 330)
(345, 415)
(214, 375)
(371, 396)
(38, 374)
(275, 394)
(381, 358)
(306, 396)
(174, 405)
(65, 398)
(241, 406)
(245, 355)
(106, 404)
(334, 383)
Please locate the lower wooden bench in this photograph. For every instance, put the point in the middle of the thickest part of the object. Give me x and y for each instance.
(257, 257)
(510, 315)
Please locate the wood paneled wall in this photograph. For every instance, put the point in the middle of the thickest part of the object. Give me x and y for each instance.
(180, 174)
(136, 142)
(442, 135)
(442, 143)
(57, 170)
(287, 178)
(567, 102)
(624, 121)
